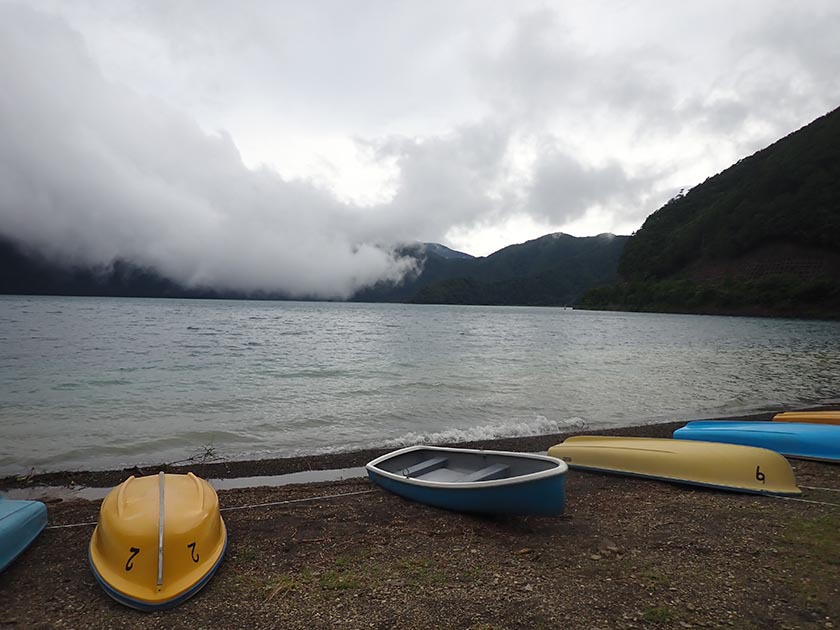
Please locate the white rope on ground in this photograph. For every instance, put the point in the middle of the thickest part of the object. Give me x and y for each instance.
(72, 525)
(326, 496)
(247, 507)
(775, 496)
(350, 494)
(818, 488)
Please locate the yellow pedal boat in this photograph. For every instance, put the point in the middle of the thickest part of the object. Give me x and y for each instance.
(158, 541)
(709, 464)
(812, 417)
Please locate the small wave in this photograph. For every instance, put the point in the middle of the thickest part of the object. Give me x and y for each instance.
(127, 369)
(108, 382)
(540, 425)
(66, 386)
(312, 374)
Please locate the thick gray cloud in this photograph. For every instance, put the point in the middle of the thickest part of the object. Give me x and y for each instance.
(444, 180)
(559, 176)
(91, 171)
(782, 72)
(131, 129)
(542, 71)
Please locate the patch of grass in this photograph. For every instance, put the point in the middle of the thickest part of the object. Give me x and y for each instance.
(814, 559)
(818, 535)
(344, 561)
(246, 555)
(658, 614)
(655, 577)
(282, 583)
(421, 571)
(336, 580)
(472, 574)
(285, 581)
(360, 566)
(355, 558)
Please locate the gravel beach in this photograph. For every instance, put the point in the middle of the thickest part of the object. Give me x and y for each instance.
(627, 553)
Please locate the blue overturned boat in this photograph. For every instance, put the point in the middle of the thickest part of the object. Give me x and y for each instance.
(475, 481)
(20, 524)
(793, 439)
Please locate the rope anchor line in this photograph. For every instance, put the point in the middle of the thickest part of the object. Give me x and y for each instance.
(837, 505)
(245, 507)
(351, 494)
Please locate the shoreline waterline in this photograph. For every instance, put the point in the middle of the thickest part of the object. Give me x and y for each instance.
(324, 463)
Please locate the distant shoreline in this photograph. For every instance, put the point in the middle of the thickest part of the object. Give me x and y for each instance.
(762, 312)
(712, 311)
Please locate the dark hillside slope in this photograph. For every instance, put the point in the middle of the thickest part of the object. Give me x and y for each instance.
(761, 237)
(553, 270)
(24, 271)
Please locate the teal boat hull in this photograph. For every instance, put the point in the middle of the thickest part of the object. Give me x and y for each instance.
(20, 523)
(792, 439)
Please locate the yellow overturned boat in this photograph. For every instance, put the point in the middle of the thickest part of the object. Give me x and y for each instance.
(709, 464)
(158, 541)
(811, 417)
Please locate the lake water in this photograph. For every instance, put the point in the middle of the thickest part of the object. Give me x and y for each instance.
(97, 383)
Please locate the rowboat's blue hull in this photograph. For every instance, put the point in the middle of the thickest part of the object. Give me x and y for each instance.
(20, 524)
(544, 496)
(482, 482)
(794, 439)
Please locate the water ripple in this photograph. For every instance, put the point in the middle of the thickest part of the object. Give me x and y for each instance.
(131, 381)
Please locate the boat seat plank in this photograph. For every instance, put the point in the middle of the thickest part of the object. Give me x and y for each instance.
(426, 466)
(442, 475)
(488, 473)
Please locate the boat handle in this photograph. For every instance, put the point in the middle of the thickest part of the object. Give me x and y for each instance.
(199, 488)
(162, 479)
(120, 494)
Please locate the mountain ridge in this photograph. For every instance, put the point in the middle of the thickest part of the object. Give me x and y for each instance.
(553, 269)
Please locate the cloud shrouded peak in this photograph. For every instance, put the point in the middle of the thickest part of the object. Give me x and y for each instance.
(91, 171)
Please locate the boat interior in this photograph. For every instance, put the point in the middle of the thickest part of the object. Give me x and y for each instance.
(460, 467)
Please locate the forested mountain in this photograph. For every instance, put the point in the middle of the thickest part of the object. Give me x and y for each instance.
(761, 237)
(23, 271)
(552, 270)
(555, 269)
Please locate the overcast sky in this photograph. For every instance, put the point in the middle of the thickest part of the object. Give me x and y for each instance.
(284, 145)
